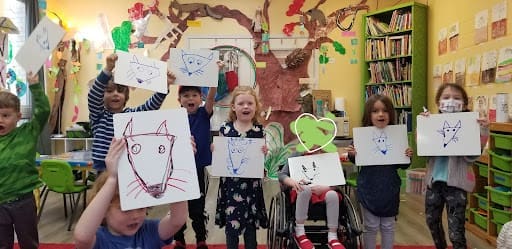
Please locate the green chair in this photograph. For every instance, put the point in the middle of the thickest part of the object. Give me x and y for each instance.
(58, 177)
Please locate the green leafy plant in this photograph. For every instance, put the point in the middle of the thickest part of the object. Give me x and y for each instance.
(278, 152)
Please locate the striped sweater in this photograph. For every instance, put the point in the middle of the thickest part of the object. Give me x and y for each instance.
(101, 119)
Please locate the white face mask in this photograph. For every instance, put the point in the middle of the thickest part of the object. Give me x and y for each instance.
(450, 105)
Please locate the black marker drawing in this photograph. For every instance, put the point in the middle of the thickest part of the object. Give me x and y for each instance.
(449, 132)
(310, 172)
(382, 143)
(193, 64)
(42, 39)
(143, 73)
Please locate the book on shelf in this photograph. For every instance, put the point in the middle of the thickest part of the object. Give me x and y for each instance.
(405, 117)
(400, 94)
(390, 71)
(400, 20)
(375, 27)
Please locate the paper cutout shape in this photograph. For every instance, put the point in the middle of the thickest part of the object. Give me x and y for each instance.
(39, 45)
(238, 157)
(448, 134)
(7, 26)
(158, 165)
(314, 134)
(319, 169)
(195, 67)
(141, 72)
(121, 36)
(376, 146)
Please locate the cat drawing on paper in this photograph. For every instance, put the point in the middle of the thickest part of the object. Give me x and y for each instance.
(150, 158)
(143, 73)
(42, 39)
(237, 155)
(310, 172)
(193, 64)
(449, 132)
(382, 143)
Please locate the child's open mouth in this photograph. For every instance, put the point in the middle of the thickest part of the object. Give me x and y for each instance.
(191, 105)
(2, 128)
(133, 226)
(246, 112)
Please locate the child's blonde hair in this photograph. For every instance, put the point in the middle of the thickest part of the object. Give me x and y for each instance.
(239, 90)
(98, 184)
(9, 100)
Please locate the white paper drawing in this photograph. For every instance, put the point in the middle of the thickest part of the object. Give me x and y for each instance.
(158, 166)
(39, 45)
(238, 157)
(194, 67)
(141, 72)
(448, 134)
(376, 146)
(318, 169)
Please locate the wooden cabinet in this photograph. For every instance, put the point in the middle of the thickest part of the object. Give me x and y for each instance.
(64, 144)
(490, 206)
(394, 61)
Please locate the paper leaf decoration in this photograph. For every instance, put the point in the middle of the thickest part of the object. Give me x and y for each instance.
(314, 134)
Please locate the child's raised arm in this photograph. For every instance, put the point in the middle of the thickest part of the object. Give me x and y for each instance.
(174, 220)
(41, 108)
(85, 230)
(95, 95)
(210, 98)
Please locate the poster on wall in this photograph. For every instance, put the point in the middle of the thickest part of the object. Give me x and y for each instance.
(437, 75)
(481, 105)
(460, 71)
(453, 36)
(473, 70)
(481, 20)
(442, 46)
(499, 20)
(448, 72)
(489, 62)
(504, 71)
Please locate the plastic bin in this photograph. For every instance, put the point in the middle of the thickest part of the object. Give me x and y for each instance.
(416, 181)
(502, 178)
(482, 200)
(500, 197)
(502, 141)
(482, 169)
(498, 226)
(501, 162)
(501, 216)
(480, 220)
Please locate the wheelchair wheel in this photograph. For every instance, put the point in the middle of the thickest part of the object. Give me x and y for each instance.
(277, 233)
(351, 223)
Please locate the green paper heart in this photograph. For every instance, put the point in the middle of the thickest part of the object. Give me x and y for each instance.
(323, 59)
(121, 36)
(312, 132)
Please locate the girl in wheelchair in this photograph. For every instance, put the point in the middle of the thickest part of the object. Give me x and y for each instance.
(302, 192)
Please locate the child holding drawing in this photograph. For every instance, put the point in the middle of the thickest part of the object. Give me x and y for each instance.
(240, 203)
(378, 187)
(104, 225)
(449, 178)
(106, 98)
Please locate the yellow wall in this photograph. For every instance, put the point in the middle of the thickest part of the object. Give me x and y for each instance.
(341, 77)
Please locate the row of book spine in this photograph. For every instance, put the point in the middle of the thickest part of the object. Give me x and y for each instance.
(390, 71)
(400, 94)
(400, 20)
(389, 46)
(404, 117)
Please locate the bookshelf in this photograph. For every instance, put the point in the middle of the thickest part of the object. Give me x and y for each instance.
(394, 62)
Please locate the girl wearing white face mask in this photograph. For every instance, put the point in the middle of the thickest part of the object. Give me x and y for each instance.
(449, 178)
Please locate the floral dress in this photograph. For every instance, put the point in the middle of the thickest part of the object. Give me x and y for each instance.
(240, 201)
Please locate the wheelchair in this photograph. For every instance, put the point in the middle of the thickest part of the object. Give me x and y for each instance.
(280, 233)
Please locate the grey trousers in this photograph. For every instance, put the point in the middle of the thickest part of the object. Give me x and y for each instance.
(372, 225)
(332, 203)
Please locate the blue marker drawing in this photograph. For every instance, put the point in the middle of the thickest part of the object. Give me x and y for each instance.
(42, 39)
(381, 141)
(193, 64)
(449, 132)
(238, 158)
(143, 73)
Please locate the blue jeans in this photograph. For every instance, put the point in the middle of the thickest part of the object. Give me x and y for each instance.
(249, 239)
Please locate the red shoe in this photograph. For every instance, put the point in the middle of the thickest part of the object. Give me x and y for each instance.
(303, 242)
(179, 245)
(335, 244)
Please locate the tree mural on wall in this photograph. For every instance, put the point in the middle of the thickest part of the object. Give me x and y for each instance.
(279, 85)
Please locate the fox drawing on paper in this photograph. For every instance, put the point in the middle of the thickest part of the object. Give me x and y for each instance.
(449, 132)
(193, 64)
(143, 73)
(42, 39)
(381, 141)
(238, 157)
(153, 179)
(310, 172)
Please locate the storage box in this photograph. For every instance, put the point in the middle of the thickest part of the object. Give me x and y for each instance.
(498, 226)
(502, 178)
(482, 200)
(482, 169)
(501, 162)
(502, 141)
(416, 181)
(500, 197)
(501, 216)
(480, 220)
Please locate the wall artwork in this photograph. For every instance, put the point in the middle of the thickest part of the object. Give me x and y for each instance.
(504, 71)
(39, 45)
(448, 134)
(460, 71)
(381, 146)
(437, 75)
(318, 169)
(453, 36)
(442, 43)
(481, 20)
(448, 72)
(473, 70)
(499, 20)
(158, 166)
(141, 72)
(489, 64)
(238, 157)
(195, 67)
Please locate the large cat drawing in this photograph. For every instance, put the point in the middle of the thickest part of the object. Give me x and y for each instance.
(449, 132)
(382, 143)
(237, 155)
(193, 64)
(143, 73)
(150, 158)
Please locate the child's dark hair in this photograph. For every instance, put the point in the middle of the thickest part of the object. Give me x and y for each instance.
(368, 108)
(9, 100)
(183, 89)
(119, 88)
(456, 87)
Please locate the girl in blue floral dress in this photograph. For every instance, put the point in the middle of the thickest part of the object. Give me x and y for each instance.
(240, 202)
